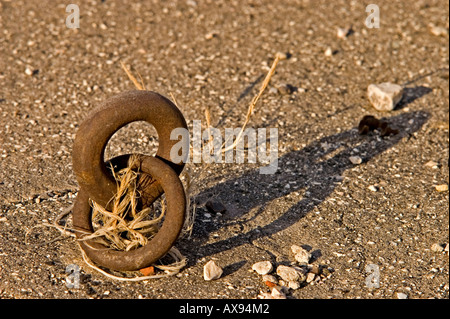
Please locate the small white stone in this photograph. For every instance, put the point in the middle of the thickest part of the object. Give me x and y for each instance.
(437, 248)
(342, 32)
(287, 273)
(401, 295)
(310, 277)
(432, 164)
(438, 31)
(263, 267)
(277, 293)
(446, 248)
(210, 35)
(441, 188)
(301, 255)
(294, 285)
(373, 188)
(211, 271)
(273, 90)
(328, 52)
(28, 71)
(296, 249)
(384, 96)
(355, 160)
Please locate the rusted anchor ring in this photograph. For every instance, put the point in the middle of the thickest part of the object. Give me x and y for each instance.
(96, 130)
(159, 245)
(98, 184)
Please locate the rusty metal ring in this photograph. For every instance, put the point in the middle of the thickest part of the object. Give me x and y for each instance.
(159, 245)
(96, 130)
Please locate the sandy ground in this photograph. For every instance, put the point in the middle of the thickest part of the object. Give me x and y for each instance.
(382, 214)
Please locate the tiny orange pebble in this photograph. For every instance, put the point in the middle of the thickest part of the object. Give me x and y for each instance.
(148, 271)
(270, 284)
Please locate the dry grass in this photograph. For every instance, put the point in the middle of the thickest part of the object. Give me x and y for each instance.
(126, 227)
(139, 86)
(278, 57)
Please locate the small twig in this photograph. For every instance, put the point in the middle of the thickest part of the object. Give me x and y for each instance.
(278, 57)
(132, 78)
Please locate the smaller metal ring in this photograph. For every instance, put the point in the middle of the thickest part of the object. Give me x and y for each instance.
(158, 246)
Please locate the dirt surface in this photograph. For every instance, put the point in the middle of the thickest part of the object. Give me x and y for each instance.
(385, 212)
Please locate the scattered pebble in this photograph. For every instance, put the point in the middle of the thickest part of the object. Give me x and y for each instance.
(211, 271)
(301, 255)
(384, 96)
(287, 273)
(273, 90)
(326, 272)
(446, 248)
(401, 295)
(294, 285)
(211, 35)
(373, 188)
(343, 32)
(442, 188)
(292, 277)
(28, 71)
(437, 248)
(438, 31)
(263, 267)
(431, 164)
(355, 160)
(328, 52)
(310, 277)
(265, 295)
(277, 293)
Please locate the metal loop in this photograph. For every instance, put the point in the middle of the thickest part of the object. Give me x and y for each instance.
(159, 245)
